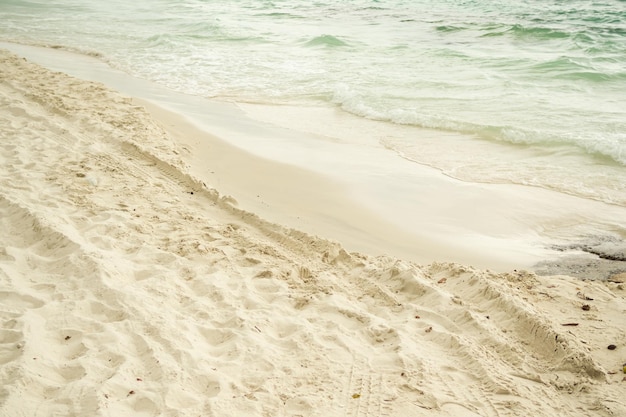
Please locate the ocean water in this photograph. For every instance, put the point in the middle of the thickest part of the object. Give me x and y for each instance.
(528, 92)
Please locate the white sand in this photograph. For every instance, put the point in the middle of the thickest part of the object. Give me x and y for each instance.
(130, 288)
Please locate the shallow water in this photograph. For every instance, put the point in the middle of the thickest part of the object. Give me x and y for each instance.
(546, 77)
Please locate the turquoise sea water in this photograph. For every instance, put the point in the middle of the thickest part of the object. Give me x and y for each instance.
(534, 91)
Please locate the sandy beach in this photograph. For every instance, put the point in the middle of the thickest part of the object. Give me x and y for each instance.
(132, 283)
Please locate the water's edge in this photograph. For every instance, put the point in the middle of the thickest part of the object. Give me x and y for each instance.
(515, 240)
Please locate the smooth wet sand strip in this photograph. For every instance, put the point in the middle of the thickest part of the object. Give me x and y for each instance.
(357, 192)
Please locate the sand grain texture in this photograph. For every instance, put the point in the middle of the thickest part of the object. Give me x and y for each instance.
(129, 288)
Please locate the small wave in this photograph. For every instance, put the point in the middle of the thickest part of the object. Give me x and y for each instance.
(198, 29)
(375, 8)
(595, 76)
(43, 5)
(449, 28)
(538, 32)
(185, 40)
(327, 41)
(281, 15)
(79, 51)
(523, 32)
(162, 39)
(76, 50)
(610, 150)
(570, 69)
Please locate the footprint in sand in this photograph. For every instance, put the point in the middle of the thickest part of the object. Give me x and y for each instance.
(105, 313)
(5, 256)
(11, 345)
(17, 302)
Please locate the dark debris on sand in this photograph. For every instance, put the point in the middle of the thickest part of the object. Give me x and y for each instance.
(592, 258)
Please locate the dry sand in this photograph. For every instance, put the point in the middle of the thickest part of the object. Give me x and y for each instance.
(130, 288)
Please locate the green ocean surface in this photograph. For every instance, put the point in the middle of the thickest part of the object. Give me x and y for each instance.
(543, 80)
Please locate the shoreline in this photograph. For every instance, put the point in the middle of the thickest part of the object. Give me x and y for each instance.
(131, 286)
(299, 198)
(364, 196)
(290, 195)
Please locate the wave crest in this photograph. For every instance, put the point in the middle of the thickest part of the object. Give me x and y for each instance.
(327, 41)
